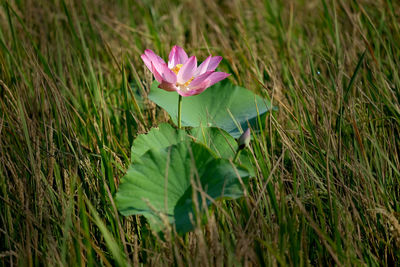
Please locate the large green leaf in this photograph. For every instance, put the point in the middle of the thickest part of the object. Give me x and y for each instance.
(162, 137)
(222, 144)
(159, 185)
(216, 139)
(223, 105)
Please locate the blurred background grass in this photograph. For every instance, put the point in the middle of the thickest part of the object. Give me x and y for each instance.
(73, 95)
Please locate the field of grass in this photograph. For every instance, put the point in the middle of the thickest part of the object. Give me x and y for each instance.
(73, 96)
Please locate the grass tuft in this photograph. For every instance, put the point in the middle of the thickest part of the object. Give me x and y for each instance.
(73, 96)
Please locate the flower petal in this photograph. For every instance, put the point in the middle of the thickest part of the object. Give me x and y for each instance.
(184, 93)
(167, 86)
(196, 90)
(153, 56)
(182, 56)
(146, 61)
(202, 82)
(172, 58)
(187, 70)
(199, 79)
(177, 56)
(155, 73)
(214, 62)
(168, 75)
(157, 61)
(216, 77)
(203, 67)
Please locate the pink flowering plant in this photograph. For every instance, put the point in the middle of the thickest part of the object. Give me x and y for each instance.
(158, 183)
(182, 74)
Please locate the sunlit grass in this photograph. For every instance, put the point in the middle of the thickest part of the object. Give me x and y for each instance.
(73, 96)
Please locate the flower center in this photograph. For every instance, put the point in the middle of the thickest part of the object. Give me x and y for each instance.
(176, 69)
(188, 82)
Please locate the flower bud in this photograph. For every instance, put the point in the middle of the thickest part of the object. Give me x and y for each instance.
(244, 139)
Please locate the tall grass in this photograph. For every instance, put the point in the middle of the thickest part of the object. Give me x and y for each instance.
(73, 96)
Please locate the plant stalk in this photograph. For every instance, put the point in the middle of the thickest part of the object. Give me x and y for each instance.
(179, 111)
(236, 155)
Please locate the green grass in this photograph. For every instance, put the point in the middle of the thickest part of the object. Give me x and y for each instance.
(73, 96)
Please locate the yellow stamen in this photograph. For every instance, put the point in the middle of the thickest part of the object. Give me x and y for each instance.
(188, 82)
(176, 69)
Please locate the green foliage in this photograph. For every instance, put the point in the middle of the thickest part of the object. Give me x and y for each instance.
(223, 145)
(223, 105)
(175, 182)
(157, 138)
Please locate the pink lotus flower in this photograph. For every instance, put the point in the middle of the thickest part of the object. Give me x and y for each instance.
(182, 74)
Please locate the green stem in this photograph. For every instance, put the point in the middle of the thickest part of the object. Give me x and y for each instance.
(179, 111)
(236, 155)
